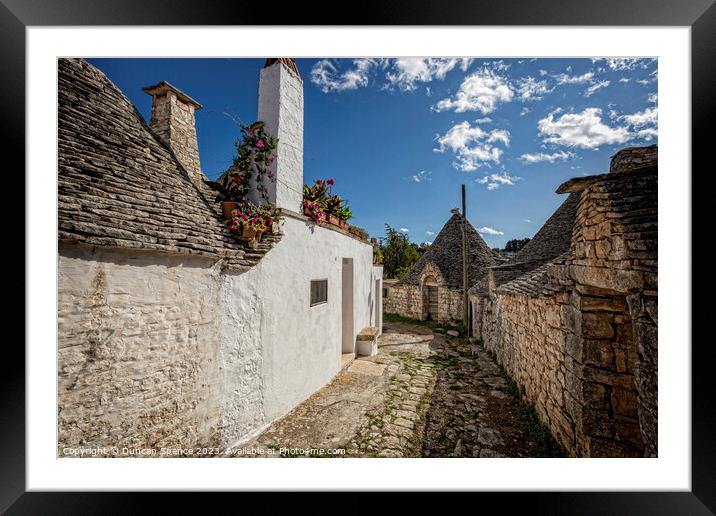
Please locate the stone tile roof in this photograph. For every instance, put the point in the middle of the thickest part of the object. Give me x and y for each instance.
(446, 254)
(577, 184)
(119, 185)
(548, 278)
(553, 238)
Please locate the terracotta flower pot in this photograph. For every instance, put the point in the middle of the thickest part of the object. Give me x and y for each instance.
(332, 219)
(227, 207)
(343, 224)
(248, 233)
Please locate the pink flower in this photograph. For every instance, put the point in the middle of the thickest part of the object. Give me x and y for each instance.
(260, 144)
(249, 132)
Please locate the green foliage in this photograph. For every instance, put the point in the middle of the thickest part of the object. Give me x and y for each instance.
(377, 255)
(514, 245)
(399, 253)
(541, 439)
(255, 151)
(435, 326)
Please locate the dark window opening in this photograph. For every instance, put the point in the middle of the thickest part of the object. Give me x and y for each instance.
(319, 291)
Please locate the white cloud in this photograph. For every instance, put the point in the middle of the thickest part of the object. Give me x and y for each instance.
(326, 76)
(430, 233)
(643, 118)
(594, 87)
(585, 130)
(563, 78)
(486, 230)
(407, 71)
(496, 180)
(644, 123)
(647, 133)
(528, 221)
(524, 111)
(529, 88)
(624, 79)
(481, 91)
(404, 230)
(472, 145)
(498, 65)
(423, 175)
(539, 157)
(653, 98)
(626, 63)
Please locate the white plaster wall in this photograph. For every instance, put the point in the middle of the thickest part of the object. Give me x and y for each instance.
(281, 108)
(267, 324)
(138, 346)
(378, 298)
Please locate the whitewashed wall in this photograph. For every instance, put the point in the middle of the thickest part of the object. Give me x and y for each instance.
(138, 348)
(157, 350)
(268, 326)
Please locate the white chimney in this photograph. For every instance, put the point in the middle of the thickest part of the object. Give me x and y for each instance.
(173, 121)
(281, 109)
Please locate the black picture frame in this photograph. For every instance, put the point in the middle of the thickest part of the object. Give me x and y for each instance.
(700, 15)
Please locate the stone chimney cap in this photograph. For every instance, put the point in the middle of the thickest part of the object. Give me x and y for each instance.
(161, 89)
(284, 60)
(455, 211)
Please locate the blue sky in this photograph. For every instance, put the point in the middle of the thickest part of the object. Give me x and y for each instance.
(399, 136)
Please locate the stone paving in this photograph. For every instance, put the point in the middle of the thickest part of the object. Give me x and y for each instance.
(423, 395)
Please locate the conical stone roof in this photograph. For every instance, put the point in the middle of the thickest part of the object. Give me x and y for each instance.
(553, 238)
(446, 254)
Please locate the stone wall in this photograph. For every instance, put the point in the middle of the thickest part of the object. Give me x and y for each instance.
(138, 348)
(527, 335)
(579, 334)
(633, 157)
(173, 119)
(411, 300)
(405, 300)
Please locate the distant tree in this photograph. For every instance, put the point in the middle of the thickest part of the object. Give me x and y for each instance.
(512, 246)
(423, 247)
(496, 249)
(399, 253)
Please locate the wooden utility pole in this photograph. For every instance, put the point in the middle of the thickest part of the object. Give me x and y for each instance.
(465, 254)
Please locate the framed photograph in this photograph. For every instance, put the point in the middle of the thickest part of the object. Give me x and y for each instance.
(421, 249)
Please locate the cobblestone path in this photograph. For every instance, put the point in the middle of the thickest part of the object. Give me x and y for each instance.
(424, 395)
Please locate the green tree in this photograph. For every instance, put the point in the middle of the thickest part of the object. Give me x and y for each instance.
(512, 246)
(399, 253)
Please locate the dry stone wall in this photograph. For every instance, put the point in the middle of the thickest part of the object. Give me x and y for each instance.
(138, 348)
(411, 301)
(579, 334)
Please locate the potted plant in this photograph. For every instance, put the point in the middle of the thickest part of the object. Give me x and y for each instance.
(272, 219)
(344, 214)
(314, 198)
(231, 188)
(377, 255)
(248, 222)
(255, 152)
(333, 206)
(314, 211)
